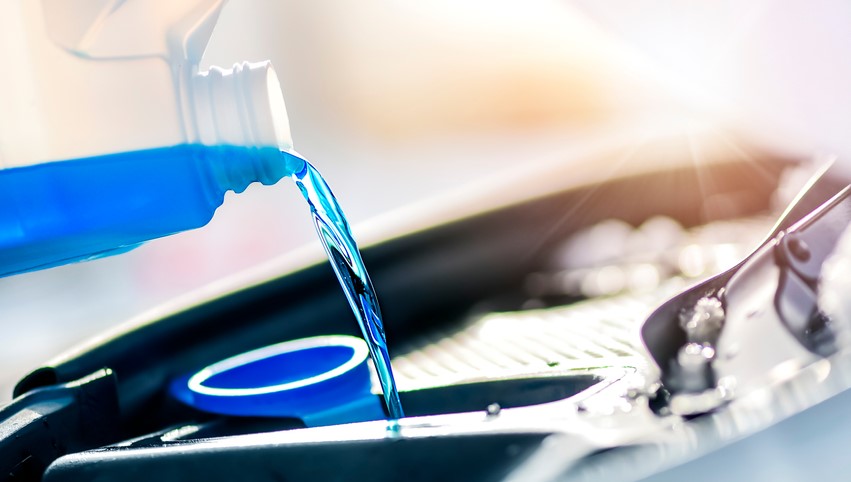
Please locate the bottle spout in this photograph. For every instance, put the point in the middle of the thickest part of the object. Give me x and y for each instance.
(242, 106)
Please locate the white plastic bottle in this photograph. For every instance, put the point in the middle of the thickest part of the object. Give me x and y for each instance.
(109, 134)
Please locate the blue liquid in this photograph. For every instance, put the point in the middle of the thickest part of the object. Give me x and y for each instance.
(342, 251)
(60, 212)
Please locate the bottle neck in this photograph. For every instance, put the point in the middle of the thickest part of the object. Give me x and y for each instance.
(241, 113)
(242, 106)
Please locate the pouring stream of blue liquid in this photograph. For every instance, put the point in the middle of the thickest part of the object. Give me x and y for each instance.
(345, 258)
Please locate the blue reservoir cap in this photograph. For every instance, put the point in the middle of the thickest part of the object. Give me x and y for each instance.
(322, 380)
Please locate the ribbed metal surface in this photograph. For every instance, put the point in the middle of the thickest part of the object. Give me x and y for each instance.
(596, 333)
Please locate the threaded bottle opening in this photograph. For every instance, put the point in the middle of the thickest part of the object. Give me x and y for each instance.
(241, 106)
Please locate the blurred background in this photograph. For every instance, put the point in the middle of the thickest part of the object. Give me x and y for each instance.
(402, 102)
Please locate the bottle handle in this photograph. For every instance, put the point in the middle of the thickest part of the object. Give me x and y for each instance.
(127, 29)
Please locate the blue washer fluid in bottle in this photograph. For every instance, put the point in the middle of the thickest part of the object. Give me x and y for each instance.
(66, 210)
(58, 212)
